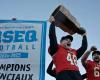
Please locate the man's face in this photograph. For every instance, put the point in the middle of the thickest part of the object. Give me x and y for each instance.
(66, 43)
(96, 57)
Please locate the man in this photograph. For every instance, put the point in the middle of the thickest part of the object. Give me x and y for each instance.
(92, 67)
(64, 57)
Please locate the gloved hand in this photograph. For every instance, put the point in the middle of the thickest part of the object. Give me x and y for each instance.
(81, 31)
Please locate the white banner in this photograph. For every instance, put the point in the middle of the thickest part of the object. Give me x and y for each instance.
(22, 50)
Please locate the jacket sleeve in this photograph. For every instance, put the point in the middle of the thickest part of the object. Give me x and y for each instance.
(53, 40)
(83, 47)
(84, 76)
(50, 71)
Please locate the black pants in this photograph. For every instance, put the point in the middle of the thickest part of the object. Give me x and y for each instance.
(69, 75)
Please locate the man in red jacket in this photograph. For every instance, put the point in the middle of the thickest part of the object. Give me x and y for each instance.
(92, 67)
(64, 57)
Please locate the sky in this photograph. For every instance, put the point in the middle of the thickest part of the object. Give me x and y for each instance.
(87, 13)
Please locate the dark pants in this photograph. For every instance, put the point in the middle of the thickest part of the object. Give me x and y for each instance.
(69, 75)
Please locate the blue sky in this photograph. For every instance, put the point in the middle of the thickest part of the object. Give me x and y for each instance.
(87, 12)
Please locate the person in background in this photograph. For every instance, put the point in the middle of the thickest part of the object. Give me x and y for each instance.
(64, 57)
(92, 66)
(52, 71)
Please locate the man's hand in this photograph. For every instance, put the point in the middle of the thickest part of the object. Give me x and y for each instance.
(93, 48)
(51, 19)
(81, 31)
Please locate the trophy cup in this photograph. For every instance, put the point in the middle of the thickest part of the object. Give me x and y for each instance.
(66, 21)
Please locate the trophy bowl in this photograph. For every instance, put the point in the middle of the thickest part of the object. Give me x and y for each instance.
(65, 21)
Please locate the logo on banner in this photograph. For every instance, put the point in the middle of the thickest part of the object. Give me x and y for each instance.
(17, 41)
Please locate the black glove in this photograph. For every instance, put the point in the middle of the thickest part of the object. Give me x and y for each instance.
(81, 31)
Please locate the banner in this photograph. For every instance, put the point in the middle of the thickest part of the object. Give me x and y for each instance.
(22, 50)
